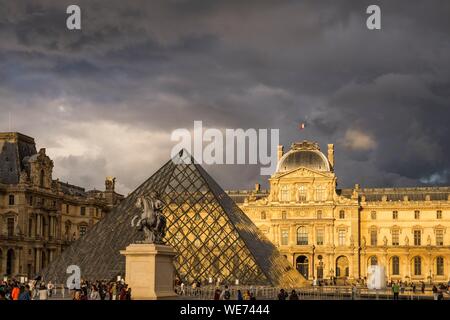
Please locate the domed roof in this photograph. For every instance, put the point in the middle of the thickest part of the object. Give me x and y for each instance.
(305, 155)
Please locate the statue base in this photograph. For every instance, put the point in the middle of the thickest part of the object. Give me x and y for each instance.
(149, 271)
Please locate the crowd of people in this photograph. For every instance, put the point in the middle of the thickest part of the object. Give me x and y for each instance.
(39, 290)
(102, 290)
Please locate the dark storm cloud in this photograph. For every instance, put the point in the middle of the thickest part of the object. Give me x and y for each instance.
(139, 69)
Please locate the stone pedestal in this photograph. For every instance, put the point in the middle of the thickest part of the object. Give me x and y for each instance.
(149, 271)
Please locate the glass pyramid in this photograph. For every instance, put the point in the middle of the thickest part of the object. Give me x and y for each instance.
(212, 236)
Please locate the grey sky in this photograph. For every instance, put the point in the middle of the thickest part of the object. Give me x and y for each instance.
(104, 101)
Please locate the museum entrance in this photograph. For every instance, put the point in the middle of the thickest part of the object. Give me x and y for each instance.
(342, 267)
(302, 264)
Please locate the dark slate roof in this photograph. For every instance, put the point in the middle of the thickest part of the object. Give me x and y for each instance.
(71, 189)
(14, 147)
(239, 196)
(399, 194)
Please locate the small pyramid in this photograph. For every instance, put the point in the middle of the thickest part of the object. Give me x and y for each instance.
(212, 236)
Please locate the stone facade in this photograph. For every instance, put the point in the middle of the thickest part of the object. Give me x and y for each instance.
(327, 232)
(40, 216)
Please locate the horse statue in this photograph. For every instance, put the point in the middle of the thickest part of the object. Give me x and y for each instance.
(152, 220)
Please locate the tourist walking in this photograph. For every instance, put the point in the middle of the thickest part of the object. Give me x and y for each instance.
(239, 295)
(182, 289)
(395, 290)
(282, 295)
(43, 293)
(95, 295)
(225, 295)
(25, 295)
(293, 296)
(50, 289)
(435, 292)
(15, 292)
(217, 294)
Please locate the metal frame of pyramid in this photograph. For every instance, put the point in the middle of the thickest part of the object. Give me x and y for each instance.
(212, 236)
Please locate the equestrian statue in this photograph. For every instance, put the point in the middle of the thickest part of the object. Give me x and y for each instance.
(152, 220)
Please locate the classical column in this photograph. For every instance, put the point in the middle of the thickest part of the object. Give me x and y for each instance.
(37, 260)
(3, 258)
(17, 254)
(38, 224)
(50, 226)
(293, 240)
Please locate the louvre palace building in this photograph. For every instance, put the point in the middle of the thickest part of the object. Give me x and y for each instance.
(326, 232)
(40, 216)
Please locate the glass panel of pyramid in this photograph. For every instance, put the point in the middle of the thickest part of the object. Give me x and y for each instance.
(212, 236)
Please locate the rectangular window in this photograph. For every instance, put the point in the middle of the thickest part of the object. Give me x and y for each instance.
(67, 208)
(395, 215)
(320, 233)
(417, 237)
(302, 236)
(319, 214)
(373, 237)
(10, 224)
(341, 237)
(417, 214)
(30, 200)
(301, 193)
(285, 194)
(396, 266)
(342, 214)
(11, 200)
(283, 215)
(320, 193)
(439, 237)
(83, 211)
(373, 215)
(284, 237)
(395, 237)
(83, 230)
(439, 214)
(417, 266)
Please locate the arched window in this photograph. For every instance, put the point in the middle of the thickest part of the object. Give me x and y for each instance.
(301, 193)
(440, 266)
(41, 178)
(302, 236)
(395, 266)
(417, 266)
(263, 215)
(373, 261)
(284, 193)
